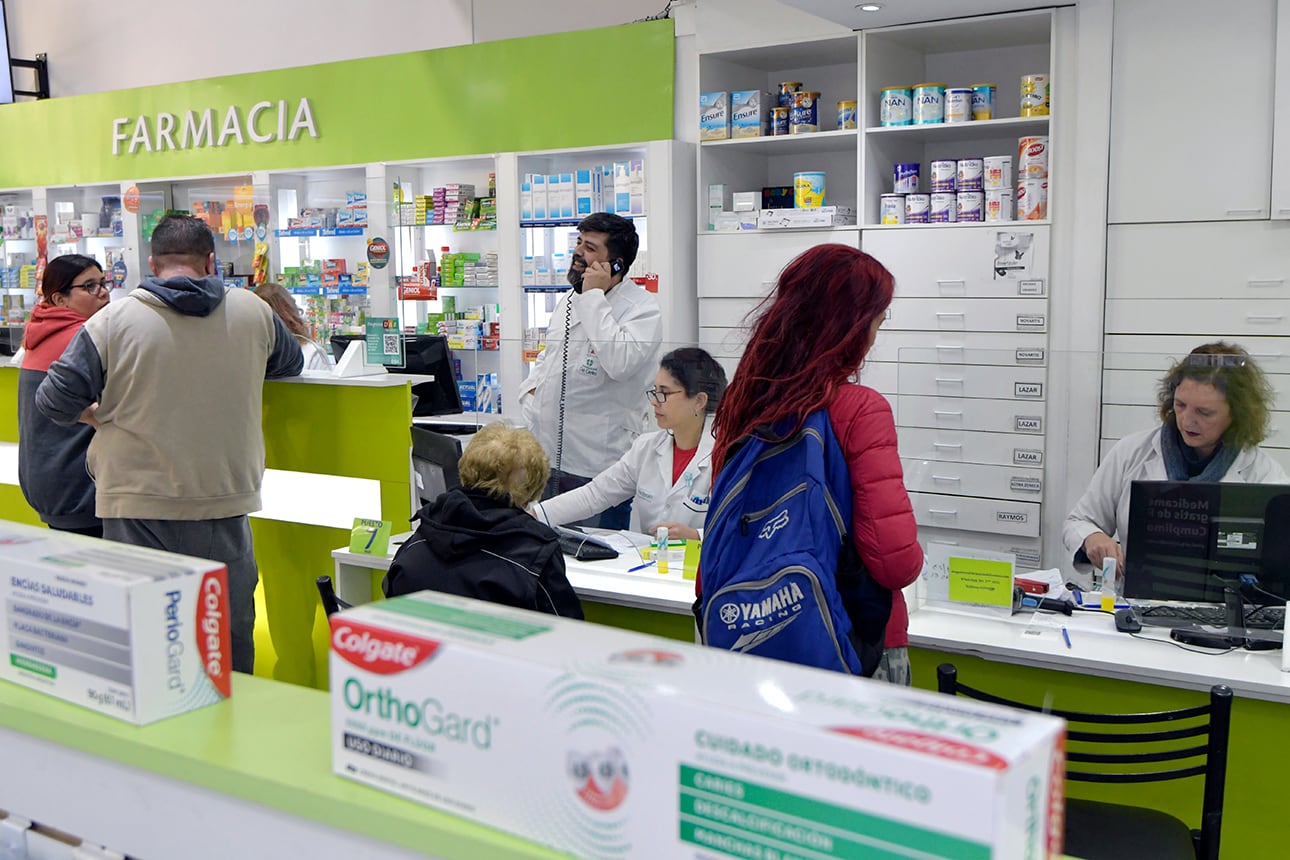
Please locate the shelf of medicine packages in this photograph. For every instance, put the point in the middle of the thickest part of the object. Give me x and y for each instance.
(984, 129)
(569, 222)
(307, 232)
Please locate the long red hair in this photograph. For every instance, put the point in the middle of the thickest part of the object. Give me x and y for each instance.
(811, 335)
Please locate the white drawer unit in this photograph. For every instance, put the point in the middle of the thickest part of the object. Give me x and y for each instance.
(724, 342)
(726, 313)
(966, 446)
(955, 413)
(1241, 260)
(961, 347)
(1208, 319)
(964, 380)
(1138, 387)
(740, 265)
(971, 479)
(1119, 421)
(1026, 549)
(881, 376)
(999, 261)
(1159, 352)
(982, 315)
(992, 516)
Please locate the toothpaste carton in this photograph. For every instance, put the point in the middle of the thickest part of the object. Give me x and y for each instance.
(714, 116)
(134, 633)
(609, 744)
(747, 114)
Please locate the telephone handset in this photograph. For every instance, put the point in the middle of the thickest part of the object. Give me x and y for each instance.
(615, 267)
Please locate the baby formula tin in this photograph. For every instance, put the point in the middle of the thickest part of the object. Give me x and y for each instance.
(971, 174)
(808, 189)
(929, 104)
(916, 208)
(945, 176)
(970, 205)
(1034, 95)
(896, 107)
(786, 90)
(905, 178)
(943, 208)
(983, 101)
(847, 113)
(1032, 200)
(998, 172)
(892, 209)
(803, 116)
(999, 204)
(779, 120)
(958, 104)
(1032, 157)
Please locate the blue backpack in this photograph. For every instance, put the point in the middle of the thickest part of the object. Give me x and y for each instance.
(780, 574)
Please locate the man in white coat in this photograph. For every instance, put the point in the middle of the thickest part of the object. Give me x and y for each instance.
(585, 398)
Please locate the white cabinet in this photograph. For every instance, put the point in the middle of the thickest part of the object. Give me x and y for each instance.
(1026, 549)
(936, 315)
(1241, 261)
(968, 381)
(747, 265)
(963, 413)
(992, 516)
(960, 347)
(1188, 146)
(985, 261)
(972, 479)
(1206, 319)
(1281, 116)
(965, 446)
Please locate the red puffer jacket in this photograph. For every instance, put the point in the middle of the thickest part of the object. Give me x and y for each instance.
(882, 519)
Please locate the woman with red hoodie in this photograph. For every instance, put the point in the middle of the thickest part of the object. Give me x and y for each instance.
(51, 458)
(813, 332)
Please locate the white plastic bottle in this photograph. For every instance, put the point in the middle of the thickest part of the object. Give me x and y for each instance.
(660, 549)
(1110, 584)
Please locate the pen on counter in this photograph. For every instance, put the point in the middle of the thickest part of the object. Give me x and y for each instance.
(640, 566)
(1067, 637)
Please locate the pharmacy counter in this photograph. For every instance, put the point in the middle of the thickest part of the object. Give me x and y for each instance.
(1026, 658)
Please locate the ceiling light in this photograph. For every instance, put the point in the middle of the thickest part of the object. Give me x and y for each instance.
(869, 7)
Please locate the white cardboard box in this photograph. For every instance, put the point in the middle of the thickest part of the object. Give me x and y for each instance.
(130, 632)
(605, 743)
(820, 216)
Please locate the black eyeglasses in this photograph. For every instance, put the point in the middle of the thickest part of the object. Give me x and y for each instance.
(660, 395)
(90, 287)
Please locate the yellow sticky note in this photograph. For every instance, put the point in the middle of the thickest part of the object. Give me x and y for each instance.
(979, 580)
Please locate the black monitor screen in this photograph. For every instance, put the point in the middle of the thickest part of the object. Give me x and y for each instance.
(425, 355)
(1185, 538)
(434, 460)
(6, 71)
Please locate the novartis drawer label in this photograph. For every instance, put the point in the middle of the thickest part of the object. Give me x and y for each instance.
(1012, 516)
(1028, 423)
(1031, 321)
(1027, 389)
(1031, 287)
(1030, 355)
(1025, 484)
(1027, 457)
(1026, 558)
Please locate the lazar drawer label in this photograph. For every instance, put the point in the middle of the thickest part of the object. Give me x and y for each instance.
(1012, 516)
(1027, 457)
(1032, 287)
(1034, 355)
(1022, 484)
(1031, 320)
(1028, 423)
(1027, 389)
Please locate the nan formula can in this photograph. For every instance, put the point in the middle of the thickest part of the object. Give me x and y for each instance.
(1032, 157)
(786, 90)
(999, 205)
(892, 209)
(943, 208)
(916, 208)
(803, 116)
(808, 189)
(929, 104)
(971, 174)
(1034, 95)
(847, 113)
(779, 120)
(998, 172)
(945, 176)
(1032, 200)
(970, 205)
(896, 107)
(905, 178)
(983, 101)
(958, 104)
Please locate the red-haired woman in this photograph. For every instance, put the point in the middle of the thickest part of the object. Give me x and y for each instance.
(812, 334)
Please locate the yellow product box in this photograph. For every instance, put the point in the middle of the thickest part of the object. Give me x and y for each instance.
(604, 743)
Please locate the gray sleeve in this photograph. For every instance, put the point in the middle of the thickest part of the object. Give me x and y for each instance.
(73, 383)
(286, 359)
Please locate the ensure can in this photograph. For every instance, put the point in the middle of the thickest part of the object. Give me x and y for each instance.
(929, 104)
(847, 113)
(1032, 200)
(971, 174)
(892, 209)
(983, 101)
(905, 178)
(970, 205)
(958, 104)
(999, 204)
(803, 116)
(896, 106)
(1032, 157)
(1034, 95)
(998, 172)
(943, 208)
(945, 176)
(779, 120)
(786, 90)
(916, 208)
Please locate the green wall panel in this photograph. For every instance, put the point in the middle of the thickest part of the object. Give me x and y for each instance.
(666, 624)
(9, 397)
(584, 88)
(13, 506)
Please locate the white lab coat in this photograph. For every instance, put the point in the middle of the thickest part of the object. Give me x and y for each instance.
(614, 344)
(644, 475)
(1104, 507)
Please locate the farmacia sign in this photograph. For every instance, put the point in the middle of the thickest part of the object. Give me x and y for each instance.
(265, 122)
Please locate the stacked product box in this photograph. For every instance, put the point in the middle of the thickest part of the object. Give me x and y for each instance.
(448, 200)
(617, 187)
(134, 633)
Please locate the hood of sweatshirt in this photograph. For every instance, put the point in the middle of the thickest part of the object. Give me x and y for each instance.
(461, 522)
(194, 297)
(47, 334)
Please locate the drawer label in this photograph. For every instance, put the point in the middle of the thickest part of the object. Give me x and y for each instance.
(1022, 484)
(1012, 516)
(1027, 457)
(1028, 423)
(1032, 287)
(1030, 355)
(1027, 389)
(1026, 558)
(1031, 320)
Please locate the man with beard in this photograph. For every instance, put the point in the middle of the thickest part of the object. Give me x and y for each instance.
(585, 399)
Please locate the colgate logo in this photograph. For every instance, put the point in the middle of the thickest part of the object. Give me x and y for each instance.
(214, 640)
(376, 650)
(931, 745)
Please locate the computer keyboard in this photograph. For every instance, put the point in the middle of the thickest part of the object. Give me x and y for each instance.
(1175, 614)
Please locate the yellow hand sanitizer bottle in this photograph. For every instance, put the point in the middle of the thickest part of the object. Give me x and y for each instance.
(660, 549)
(1108, 584)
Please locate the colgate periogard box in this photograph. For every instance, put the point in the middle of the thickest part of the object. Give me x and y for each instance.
(130, 632)
(609, 744)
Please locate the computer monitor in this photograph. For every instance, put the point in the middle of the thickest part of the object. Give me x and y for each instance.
(434, 462)
(425, 355)
(1188, 541)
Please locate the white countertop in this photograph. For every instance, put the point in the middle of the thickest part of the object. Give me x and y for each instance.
(378, 380)
(457, 419)
(1097, 648)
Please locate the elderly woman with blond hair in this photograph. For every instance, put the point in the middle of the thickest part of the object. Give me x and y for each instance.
(478, 541)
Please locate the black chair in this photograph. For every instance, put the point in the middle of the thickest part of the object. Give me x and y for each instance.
(331, 603)
(434, 459)
(1096, 830)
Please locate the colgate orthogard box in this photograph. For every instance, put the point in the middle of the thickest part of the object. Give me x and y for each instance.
(130, 632)
(609, 744)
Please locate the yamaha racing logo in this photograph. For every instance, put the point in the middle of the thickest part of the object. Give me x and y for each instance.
(759, 620)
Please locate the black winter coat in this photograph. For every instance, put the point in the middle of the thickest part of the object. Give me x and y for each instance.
(471, 544)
